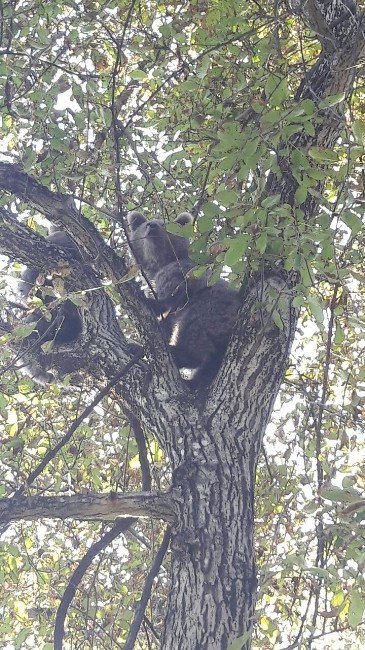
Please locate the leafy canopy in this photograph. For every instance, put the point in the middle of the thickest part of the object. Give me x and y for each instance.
(167, 107)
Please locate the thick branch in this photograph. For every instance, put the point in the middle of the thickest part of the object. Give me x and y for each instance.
(86, 507)
(96, 309)
(331, 21)
(25, 245)
(61, 209)
(333, 73)
(255, 362)
(257, 356)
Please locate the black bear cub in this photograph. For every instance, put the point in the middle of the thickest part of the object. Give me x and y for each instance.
(64, 325)
(198, 319)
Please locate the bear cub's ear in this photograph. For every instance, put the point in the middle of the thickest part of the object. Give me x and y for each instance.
(184, 218)
(135, 219)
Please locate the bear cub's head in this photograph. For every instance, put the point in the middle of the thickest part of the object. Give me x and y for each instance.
(152, 246)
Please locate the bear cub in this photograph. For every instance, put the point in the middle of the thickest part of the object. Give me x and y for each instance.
(65, 324)
(197, 318)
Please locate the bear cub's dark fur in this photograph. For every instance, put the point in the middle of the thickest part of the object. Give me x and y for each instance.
(197, 318)
(65, 323)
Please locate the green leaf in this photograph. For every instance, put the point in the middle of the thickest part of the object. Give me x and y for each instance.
(22, 636)
(237, 248)
(318, 571)
(250, 148)
(322, 154)
(270, 201)
(340, 335)
(226, 197)
(358, 129)
(276, 90)
(332, 493)
(301, 194)
(29, 158)
(261, 242)
(139, 75)
(240, 642)
(317, 174)
(189, 84)
(204, 67)
(332, 100)
(23, 331)
(305, 272)
(316, 309)
(352, 221)
(277, 319)
(300, 160)
(205, 223)
(357, 608)
(211, 209)
(309, 107)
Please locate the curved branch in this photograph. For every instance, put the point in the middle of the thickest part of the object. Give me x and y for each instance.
(61, 209)
(146, 593)
(21, 243)
(120, 526)
(95, 309)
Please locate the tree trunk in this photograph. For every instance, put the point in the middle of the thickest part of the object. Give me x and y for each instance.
(212, 594)
(213, 590)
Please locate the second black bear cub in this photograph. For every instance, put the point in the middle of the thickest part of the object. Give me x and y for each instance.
(198, 318)
(64, 323)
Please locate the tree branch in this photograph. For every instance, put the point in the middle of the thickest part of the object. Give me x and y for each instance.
(258, 352)
(96, 309)
(86, 412)
(142, 449)
(256, 357)
(331, 21)
(61, 209)
(146, 593)
(86, 507)
(120, 526)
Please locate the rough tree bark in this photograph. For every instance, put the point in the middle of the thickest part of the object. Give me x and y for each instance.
(212, 438)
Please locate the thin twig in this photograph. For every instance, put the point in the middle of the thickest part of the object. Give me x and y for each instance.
(142, 450)
(146, 593)
(86, 412)
(120, 526)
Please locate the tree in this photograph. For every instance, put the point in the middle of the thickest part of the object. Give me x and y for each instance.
(240, 114)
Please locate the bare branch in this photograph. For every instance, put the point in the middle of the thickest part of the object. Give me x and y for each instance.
(61, 210)
(120, 526)
(139, 615)
(142, 449)
(88, 507)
